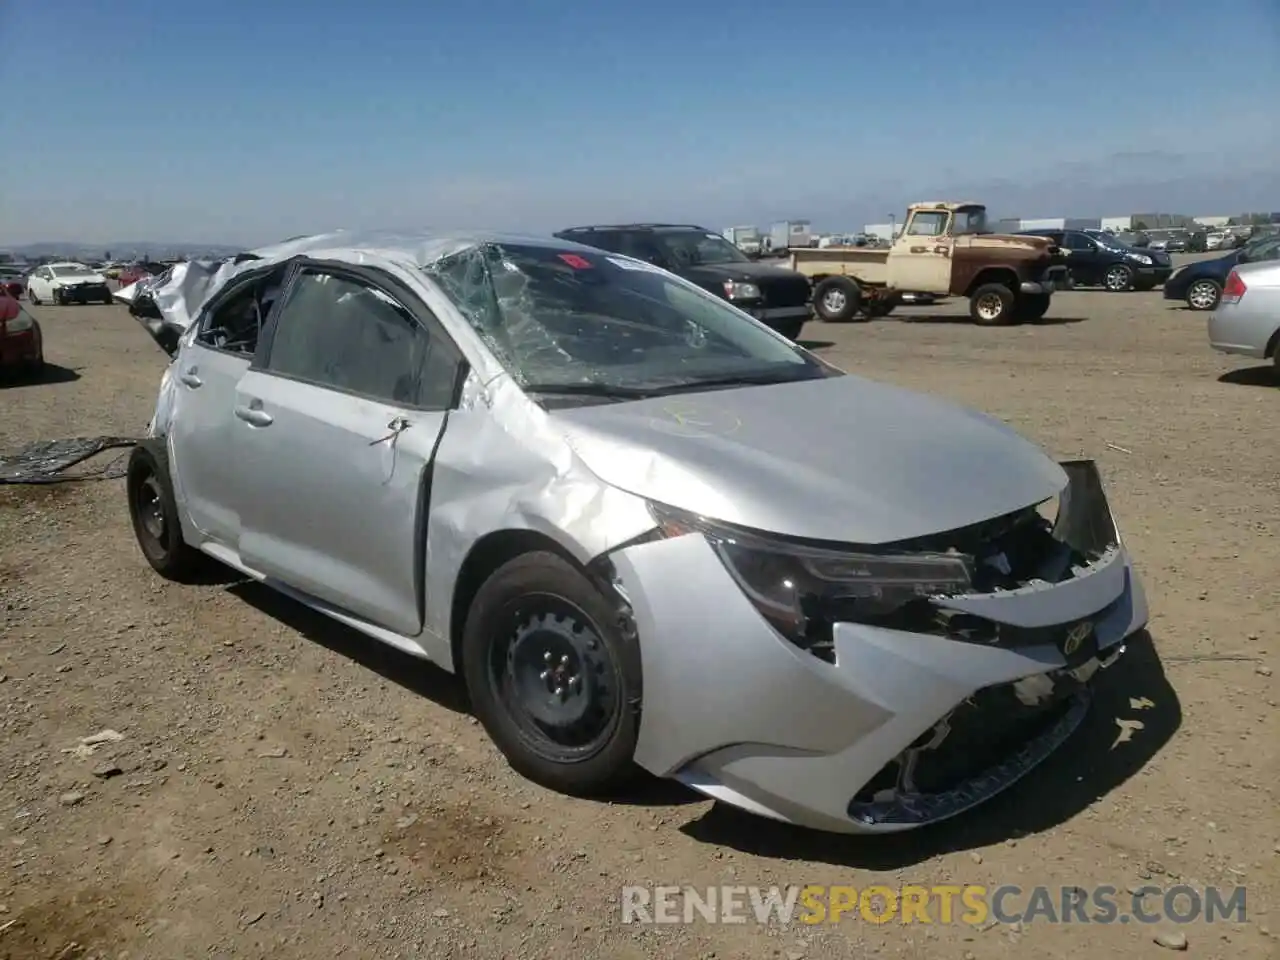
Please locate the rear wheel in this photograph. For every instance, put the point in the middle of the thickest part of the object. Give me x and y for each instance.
(1204, 295)
(1118, 278)
(31, 295)
(154, 512)
(992, 305)
(108, 299)
(837, 299)
(554, 677)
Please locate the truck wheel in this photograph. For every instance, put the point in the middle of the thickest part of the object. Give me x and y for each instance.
(1033, 306)
(992, 305)
(836, 299)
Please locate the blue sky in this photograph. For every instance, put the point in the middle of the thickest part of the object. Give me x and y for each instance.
(246, 122)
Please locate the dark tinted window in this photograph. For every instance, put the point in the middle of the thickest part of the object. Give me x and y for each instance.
(349, 335)
(1078, 241)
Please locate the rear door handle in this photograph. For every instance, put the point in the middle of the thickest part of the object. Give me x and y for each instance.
(190, 379)
(254, 417)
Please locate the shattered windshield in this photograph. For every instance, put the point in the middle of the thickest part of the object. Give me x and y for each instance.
(589, 323)
(693, 248)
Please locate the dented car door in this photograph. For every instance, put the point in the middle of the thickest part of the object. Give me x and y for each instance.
(336, 425)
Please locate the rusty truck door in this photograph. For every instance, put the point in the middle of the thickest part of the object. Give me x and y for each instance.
(920, 259)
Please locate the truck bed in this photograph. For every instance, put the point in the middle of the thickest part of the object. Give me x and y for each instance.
(867, 265)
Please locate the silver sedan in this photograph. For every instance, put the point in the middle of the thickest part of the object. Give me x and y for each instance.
(648, 532)
(1247, 320)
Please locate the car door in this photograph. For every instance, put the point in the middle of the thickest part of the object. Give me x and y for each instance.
(337, 423)
(40, 285)
(205, 378)
(1084, 261)
(920, 261)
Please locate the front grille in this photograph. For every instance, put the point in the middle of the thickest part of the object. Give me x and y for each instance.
(978, 749)
(785, 291)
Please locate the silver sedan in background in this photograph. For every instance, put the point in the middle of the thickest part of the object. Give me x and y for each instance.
(1247, 320)
(647, 530)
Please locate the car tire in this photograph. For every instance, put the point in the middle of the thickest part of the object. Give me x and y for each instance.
(108, 300)
(1033, 306)
(539, 625)
(837, 299)
(1118, 278)
(1204, 295)
(153, 508)
(32, 298)
(993, 305)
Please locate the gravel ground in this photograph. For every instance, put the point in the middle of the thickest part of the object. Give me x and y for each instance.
(283, 788)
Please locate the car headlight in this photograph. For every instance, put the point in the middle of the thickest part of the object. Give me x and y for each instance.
(19, 324)
(802, 590)
(1141, 258)
(736, 290)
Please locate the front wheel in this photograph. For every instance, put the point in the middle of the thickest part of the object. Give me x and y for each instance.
(554, 676)
(31, 296)
(836, 299)
(1204, 295)
(992, 305)
(108, 300)
(153, 508)
(1118, 278)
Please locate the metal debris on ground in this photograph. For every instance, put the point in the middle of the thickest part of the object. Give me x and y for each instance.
(45, 460)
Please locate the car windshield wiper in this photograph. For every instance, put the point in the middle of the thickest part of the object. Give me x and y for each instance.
(606, 390)
(740, 380)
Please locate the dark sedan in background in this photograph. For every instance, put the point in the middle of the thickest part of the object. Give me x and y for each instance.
(1200, 284)
(1098, 259)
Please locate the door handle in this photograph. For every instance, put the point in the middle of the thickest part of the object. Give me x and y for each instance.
(190, 379)
(254, 417)
(919, 249)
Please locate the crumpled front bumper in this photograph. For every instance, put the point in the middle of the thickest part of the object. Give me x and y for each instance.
(737, 712)
(82, 293)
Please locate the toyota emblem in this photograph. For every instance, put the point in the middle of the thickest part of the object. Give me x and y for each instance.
(1076, 636)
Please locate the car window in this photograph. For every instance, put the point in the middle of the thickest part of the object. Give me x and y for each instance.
(349, 335)
(928, 224)
(235, 322)
(1077, 241)
(638, 245)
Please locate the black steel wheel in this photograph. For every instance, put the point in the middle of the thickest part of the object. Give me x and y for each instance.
(553, 676)
(154, 512)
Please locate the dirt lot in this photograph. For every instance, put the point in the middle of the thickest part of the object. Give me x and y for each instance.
(283, 789)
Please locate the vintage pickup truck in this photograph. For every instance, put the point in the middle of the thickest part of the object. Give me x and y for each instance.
(945, 249)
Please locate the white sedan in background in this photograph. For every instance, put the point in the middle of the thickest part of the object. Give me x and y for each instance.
(60, 283)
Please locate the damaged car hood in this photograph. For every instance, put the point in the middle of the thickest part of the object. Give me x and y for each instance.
(838, 459)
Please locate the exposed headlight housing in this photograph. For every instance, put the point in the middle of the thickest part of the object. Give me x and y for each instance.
(737, 290)
(19, 324)
(801, 590)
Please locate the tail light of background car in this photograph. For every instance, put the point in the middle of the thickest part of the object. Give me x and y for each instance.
(1234, 289)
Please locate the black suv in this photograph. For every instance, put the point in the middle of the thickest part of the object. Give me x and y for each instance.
(774, 295)
(1098, 259)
